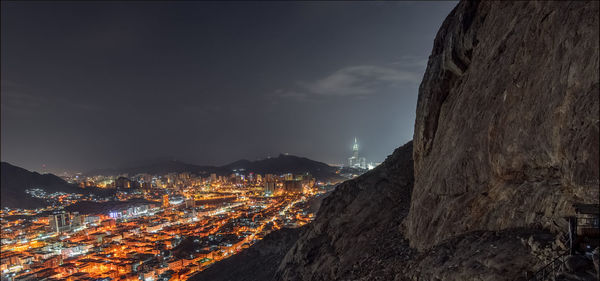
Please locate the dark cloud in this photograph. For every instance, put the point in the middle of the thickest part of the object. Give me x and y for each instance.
(361, 80)
(98, 84)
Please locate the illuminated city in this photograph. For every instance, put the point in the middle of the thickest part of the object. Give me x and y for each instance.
(157, 227)
(299, 140)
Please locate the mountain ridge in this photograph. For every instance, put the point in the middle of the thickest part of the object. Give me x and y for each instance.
(15, 180)
(273, 165)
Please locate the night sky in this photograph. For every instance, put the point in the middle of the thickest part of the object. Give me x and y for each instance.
(93, 85)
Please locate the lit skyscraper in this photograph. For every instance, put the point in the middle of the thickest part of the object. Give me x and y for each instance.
(355, 148)
(355, 161)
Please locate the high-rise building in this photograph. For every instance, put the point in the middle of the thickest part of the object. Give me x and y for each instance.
(269, 187)
(269, 177)
(65, 222)
(59, 222)
(77, 220)
(122, 182)
(355, 148)
(270, 184)
(292, 186)
(355, 161)
(166, 200)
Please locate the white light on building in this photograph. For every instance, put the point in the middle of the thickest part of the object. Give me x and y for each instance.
(355, 161)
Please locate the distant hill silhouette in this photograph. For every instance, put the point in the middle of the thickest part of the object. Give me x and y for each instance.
(287, 164)
(15, 180)
(277, 165)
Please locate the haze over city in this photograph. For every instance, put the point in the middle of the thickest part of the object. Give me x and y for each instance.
(93, 85)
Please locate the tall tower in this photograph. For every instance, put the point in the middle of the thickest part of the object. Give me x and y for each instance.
(355, 148)
(355, 161)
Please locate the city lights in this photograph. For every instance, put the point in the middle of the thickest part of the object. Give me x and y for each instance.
(159, 226)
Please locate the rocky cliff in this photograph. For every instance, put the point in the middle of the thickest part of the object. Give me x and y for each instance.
(358, 234)
(357, 231)
(506, 133)
(506, 139)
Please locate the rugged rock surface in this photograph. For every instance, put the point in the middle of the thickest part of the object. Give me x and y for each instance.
(506, 133)
(258, 262)
(358, 234)
(483, 255)
(357, 231)
(506, 138)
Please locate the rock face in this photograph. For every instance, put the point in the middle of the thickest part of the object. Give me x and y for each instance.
(357, 232)
(506, 133)
(506, 138)
(483, 255)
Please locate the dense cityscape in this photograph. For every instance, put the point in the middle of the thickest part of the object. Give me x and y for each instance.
(154, 228)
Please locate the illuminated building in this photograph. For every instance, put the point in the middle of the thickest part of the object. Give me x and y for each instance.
(77, 221)
(166, 200)
(292, 186)
(355, 161)
(65, 222)
(122, 182)
(129, 211)
(176, 200)
(269, 177)
(59, 222)
(93, 220)
(107, 243)
(269, 186)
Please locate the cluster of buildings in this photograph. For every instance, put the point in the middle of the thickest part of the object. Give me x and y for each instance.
(288, 183)
(152, 227)
(143, 180)
(179, 181)
(357, 162)
(179, 225)
(65, 222)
